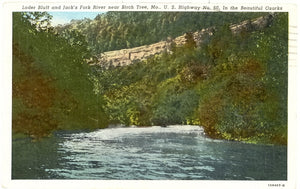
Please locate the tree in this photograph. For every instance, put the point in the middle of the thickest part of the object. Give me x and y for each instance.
(52, 88)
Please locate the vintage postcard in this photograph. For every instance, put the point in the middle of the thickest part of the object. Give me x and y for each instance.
(145, 94)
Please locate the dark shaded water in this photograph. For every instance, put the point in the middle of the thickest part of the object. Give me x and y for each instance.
(175, 152)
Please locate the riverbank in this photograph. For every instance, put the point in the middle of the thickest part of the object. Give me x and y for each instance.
(251, 140)
(232, 83)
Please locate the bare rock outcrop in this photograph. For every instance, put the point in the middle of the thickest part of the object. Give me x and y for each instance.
(125, 57)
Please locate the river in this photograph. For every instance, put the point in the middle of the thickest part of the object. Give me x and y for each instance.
(150, 153)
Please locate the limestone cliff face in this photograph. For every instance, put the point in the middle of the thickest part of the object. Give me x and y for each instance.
(125, 57)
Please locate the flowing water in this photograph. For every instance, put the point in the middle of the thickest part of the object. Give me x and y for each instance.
(173, 152)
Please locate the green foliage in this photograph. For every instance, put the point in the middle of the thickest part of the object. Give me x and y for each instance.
(234, 85)
(119, 30)
(51, 86)
(249, 103)
(175, 108)
(40, 21)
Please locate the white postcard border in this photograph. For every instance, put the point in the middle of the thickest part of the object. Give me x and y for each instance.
(7, 7)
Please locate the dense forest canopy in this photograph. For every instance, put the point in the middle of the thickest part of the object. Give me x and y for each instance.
(234, 85)
(51, 85)
(120, 30)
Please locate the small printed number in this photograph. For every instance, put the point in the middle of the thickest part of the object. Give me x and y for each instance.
(276, 185)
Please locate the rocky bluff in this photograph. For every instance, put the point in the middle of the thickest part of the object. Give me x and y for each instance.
(125, 57)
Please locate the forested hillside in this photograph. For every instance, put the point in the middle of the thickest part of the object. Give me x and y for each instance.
(234, 85)
(119, 30)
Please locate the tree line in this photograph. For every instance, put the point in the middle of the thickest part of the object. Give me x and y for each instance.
(119, 30)
(234, 85)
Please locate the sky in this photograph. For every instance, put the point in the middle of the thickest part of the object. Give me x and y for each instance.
(66, 17)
